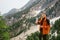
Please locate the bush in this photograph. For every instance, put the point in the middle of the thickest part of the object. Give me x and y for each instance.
(56, 27)
(33, 36)
(4, 34)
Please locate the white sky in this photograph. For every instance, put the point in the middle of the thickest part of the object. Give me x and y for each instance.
(6, 5)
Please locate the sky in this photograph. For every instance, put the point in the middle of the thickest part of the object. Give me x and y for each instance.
(7, 5)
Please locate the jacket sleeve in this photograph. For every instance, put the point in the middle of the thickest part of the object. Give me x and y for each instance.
(39, 21)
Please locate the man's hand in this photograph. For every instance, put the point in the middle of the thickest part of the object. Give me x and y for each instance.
(36, 20)
(41, 26)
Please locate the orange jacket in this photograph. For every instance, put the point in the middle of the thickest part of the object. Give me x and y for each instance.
(46, 27)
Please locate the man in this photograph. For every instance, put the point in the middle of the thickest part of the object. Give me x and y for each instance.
(44, 27)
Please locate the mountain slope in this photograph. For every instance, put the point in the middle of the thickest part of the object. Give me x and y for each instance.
(24, 9)
(12, 11)
(54, 10)
(24, 20)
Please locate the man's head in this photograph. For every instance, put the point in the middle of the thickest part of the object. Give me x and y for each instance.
(43, 14)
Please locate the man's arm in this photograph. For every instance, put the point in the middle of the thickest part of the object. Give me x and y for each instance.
(38, 21)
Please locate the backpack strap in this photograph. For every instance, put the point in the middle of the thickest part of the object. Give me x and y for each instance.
(48, 21)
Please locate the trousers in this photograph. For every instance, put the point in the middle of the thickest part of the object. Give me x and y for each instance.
(43, 37)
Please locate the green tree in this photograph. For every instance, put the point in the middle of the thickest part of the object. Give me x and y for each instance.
(33, 36)
(4, 34)
(56, 27)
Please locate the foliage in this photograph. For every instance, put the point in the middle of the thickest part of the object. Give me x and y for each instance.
(4, 34)
(56, 27)
(33, 36)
